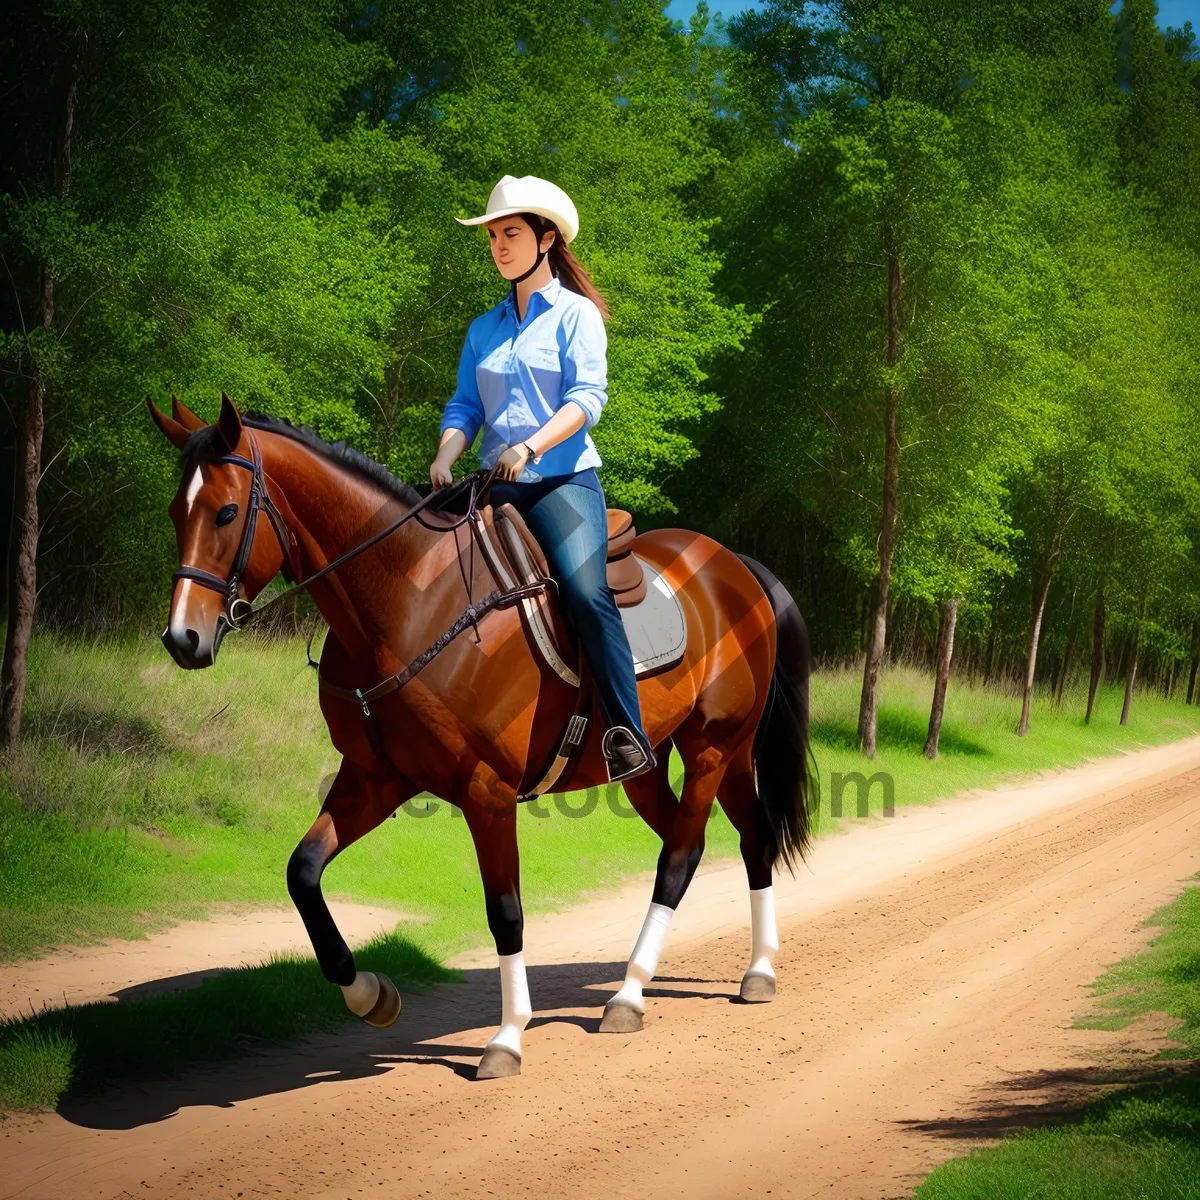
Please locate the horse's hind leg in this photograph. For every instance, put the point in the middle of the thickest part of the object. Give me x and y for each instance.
(739, 799)
(355, 805)
(495, 838)
(682, 830)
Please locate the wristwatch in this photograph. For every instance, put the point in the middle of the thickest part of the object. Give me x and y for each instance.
(529, 450)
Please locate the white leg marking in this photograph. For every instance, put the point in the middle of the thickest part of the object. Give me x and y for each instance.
(515, 1008)
(362, 993)
(643, 962)
(194, 486)
(764, 936)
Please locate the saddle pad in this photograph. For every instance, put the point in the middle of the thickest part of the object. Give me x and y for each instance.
(656, 628)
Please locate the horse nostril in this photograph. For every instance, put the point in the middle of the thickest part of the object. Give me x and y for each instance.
(193, 640)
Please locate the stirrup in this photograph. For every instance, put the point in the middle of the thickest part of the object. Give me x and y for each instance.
(625, 754)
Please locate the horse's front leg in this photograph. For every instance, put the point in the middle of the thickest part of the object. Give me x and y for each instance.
(495, 837)
(355, 805)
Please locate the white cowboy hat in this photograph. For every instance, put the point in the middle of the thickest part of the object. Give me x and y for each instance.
(530, 194)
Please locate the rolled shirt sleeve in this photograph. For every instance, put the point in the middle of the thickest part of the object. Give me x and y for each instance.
(464, 410)
(584, 362)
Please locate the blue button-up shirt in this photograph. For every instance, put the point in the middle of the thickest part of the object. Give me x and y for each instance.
(514, 376)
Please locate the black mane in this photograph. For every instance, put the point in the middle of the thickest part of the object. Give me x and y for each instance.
(207, 440)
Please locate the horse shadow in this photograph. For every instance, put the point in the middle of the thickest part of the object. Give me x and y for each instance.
(428, 1033)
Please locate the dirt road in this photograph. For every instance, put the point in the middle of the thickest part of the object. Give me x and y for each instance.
(931, 967)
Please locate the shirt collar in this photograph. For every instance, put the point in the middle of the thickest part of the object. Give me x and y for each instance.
(549, 293)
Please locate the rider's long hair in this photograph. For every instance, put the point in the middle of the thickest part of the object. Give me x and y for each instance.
(564, 264)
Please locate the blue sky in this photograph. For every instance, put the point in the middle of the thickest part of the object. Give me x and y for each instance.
(1170, 12)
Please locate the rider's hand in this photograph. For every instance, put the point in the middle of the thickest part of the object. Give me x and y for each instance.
(439, 473)
(512, 462)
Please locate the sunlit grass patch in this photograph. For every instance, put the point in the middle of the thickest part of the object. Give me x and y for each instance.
(82, 1050)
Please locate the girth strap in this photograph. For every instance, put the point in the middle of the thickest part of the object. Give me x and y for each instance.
(558, 771)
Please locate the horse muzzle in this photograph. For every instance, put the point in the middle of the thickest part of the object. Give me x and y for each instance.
(189, 650)
(192, 648)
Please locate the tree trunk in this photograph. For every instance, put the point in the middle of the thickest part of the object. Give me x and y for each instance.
(1035, 631)
(1066, 666)
(887, 532)
(989, 653)
(1097, 654)
(945, 649)
(1195, 660)
(1119, 659)
(1130, 676)
(21, 581)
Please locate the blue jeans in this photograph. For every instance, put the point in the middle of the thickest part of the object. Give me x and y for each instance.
(567, 515)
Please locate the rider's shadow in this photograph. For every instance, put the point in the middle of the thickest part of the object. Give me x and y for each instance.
(427, 1034)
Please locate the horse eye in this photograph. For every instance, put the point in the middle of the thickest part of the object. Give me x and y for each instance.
(227, 514)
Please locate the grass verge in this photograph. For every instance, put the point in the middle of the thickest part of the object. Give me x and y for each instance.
(141, 794)
(73, 1052)
(1141, 1142)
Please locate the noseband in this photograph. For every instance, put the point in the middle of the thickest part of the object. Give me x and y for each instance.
(237, 608)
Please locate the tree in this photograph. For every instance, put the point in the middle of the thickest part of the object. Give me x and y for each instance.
(33, 352)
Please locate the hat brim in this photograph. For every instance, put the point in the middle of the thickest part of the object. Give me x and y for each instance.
(567, 234)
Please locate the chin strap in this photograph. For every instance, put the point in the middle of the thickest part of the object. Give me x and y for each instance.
(537, 262)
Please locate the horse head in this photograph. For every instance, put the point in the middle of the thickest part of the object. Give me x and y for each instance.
(225, 557)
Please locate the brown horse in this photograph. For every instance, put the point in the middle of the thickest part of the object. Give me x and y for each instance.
(480, 717)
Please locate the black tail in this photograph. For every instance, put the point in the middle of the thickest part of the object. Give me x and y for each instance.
(789, 786)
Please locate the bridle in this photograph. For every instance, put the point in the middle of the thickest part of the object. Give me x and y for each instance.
(237, 608)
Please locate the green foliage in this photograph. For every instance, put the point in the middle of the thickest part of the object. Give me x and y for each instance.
(262, 203)
(1020, 163)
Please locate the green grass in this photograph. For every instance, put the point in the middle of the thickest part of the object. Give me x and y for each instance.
(978, 745)
(1141, 1142)
(143, 794)
(67, 1053)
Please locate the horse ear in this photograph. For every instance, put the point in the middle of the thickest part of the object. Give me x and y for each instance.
(229, 424)
(172, 430)
(185, 416)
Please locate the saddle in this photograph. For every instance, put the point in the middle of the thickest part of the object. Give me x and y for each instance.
(653, 617)
(651, 612)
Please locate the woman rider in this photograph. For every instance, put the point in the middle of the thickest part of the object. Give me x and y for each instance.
(533, 374)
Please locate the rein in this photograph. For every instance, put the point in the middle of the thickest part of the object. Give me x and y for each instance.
(478, 481)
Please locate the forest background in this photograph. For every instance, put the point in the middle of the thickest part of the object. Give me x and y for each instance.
(906, 295)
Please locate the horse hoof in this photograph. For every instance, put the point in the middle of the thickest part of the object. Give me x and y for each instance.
(758, 989)
(620, 1018)
(498, 1063)
(387, 1007)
